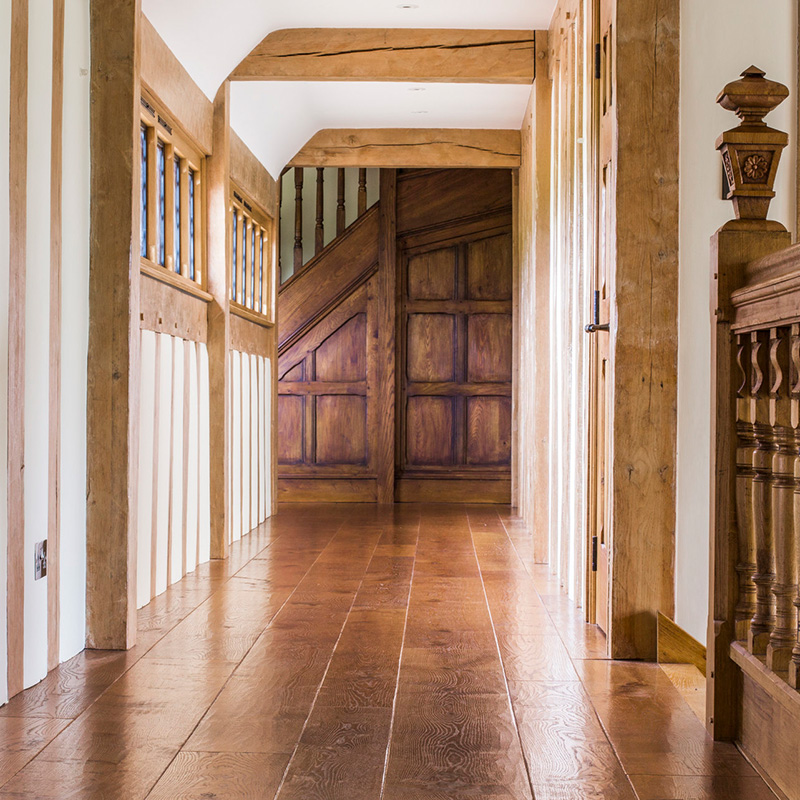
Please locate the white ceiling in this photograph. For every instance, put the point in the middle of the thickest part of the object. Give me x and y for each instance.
(275, 119)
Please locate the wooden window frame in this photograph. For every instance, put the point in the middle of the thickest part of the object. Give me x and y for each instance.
(161, 128)
(255, 217)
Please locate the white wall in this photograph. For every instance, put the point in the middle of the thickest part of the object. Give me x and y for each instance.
(719, 39)
(5, 63)
(74, 326)
(37, 330)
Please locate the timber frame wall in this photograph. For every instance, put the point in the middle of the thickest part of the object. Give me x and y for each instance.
(129, 56)
(643, 343)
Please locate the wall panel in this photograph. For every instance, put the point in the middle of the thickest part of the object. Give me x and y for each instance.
(174, 522)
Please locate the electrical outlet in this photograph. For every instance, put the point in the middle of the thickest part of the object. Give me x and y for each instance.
(40, 560)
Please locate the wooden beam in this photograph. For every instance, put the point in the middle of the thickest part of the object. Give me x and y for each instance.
(644, 326)
(219, 333)
(396, 148)
(113, 379)
(391, 54)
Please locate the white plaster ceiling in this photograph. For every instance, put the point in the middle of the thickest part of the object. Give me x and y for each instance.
(276, 118)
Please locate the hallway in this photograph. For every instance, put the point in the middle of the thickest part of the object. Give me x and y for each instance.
(403, 652)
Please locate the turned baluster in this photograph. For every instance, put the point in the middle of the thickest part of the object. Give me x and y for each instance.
(763, 620)
(341, 219)
(784, 589)
(298, 218)
(319, 229)
(794, 664)
(746, 537)
(362, 191)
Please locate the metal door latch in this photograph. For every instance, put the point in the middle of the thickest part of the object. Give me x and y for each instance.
(592, 327)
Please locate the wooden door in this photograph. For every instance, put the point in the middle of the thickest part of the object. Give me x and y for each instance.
(455, 344)
(599, 478)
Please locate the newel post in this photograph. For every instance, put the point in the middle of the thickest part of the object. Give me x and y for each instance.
(750, 155)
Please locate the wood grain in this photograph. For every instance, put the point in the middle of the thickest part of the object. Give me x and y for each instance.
(112, 429)
(352, 652)
(675, 646)
(391, 54)
(395, 148)
(219, 329)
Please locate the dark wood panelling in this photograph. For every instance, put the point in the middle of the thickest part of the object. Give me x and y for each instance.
(343, 355)
(431, 347)
(291, 411)
(341, 429)
(454, 413)
(432, 276)
(489, 431)
(430, 426)
(489, 348)
(487, 275)
(429, 198)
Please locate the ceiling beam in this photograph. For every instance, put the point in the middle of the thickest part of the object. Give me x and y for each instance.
(410, 148)
(392, 54)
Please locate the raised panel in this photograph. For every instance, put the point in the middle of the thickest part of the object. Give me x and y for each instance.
(489, 357)
(431, 347)
(295, 374)
(432, 276)
(489, 431)
(290, 429)
(429, 431)
(489, 268)
(343, 355)
(341, 429)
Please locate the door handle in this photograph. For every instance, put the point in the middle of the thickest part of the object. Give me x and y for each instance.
(595, 326)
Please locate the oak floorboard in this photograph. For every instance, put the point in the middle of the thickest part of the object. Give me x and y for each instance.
(404, 652)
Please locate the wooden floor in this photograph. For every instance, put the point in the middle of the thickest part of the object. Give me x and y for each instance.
(405, 653)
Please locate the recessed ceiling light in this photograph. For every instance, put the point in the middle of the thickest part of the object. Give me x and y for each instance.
(417, 89)
(419, 112)
(407, 5)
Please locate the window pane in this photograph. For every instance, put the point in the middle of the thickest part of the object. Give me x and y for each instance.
(191, 224)
(177, 215)
(253, 269)
(143, 203)
(162, 199)
(244, 261)
(260, 272)
(234, 261)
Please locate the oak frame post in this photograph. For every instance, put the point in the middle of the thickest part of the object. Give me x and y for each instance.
(113, 367)
(219, 267)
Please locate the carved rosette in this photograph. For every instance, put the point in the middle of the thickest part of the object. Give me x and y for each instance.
(751, 152)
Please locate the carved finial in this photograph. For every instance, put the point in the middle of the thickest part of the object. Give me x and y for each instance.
(752, 150)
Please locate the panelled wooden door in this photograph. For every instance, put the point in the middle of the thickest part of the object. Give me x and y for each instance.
(455, 343)
(600, 518)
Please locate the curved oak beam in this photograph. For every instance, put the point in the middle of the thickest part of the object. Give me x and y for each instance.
(417, 148)
(392, 54)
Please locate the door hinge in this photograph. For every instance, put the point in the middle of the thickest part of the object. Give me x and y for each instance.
(597, 55)
(594, 554)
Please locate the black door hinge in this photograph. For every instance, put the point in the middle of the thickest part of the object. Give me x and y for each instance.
(597, 62)
(594, 554)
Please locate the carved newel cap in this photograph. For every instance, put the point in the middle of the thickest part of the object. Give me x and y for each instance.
(752, 97)
(752, 150)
